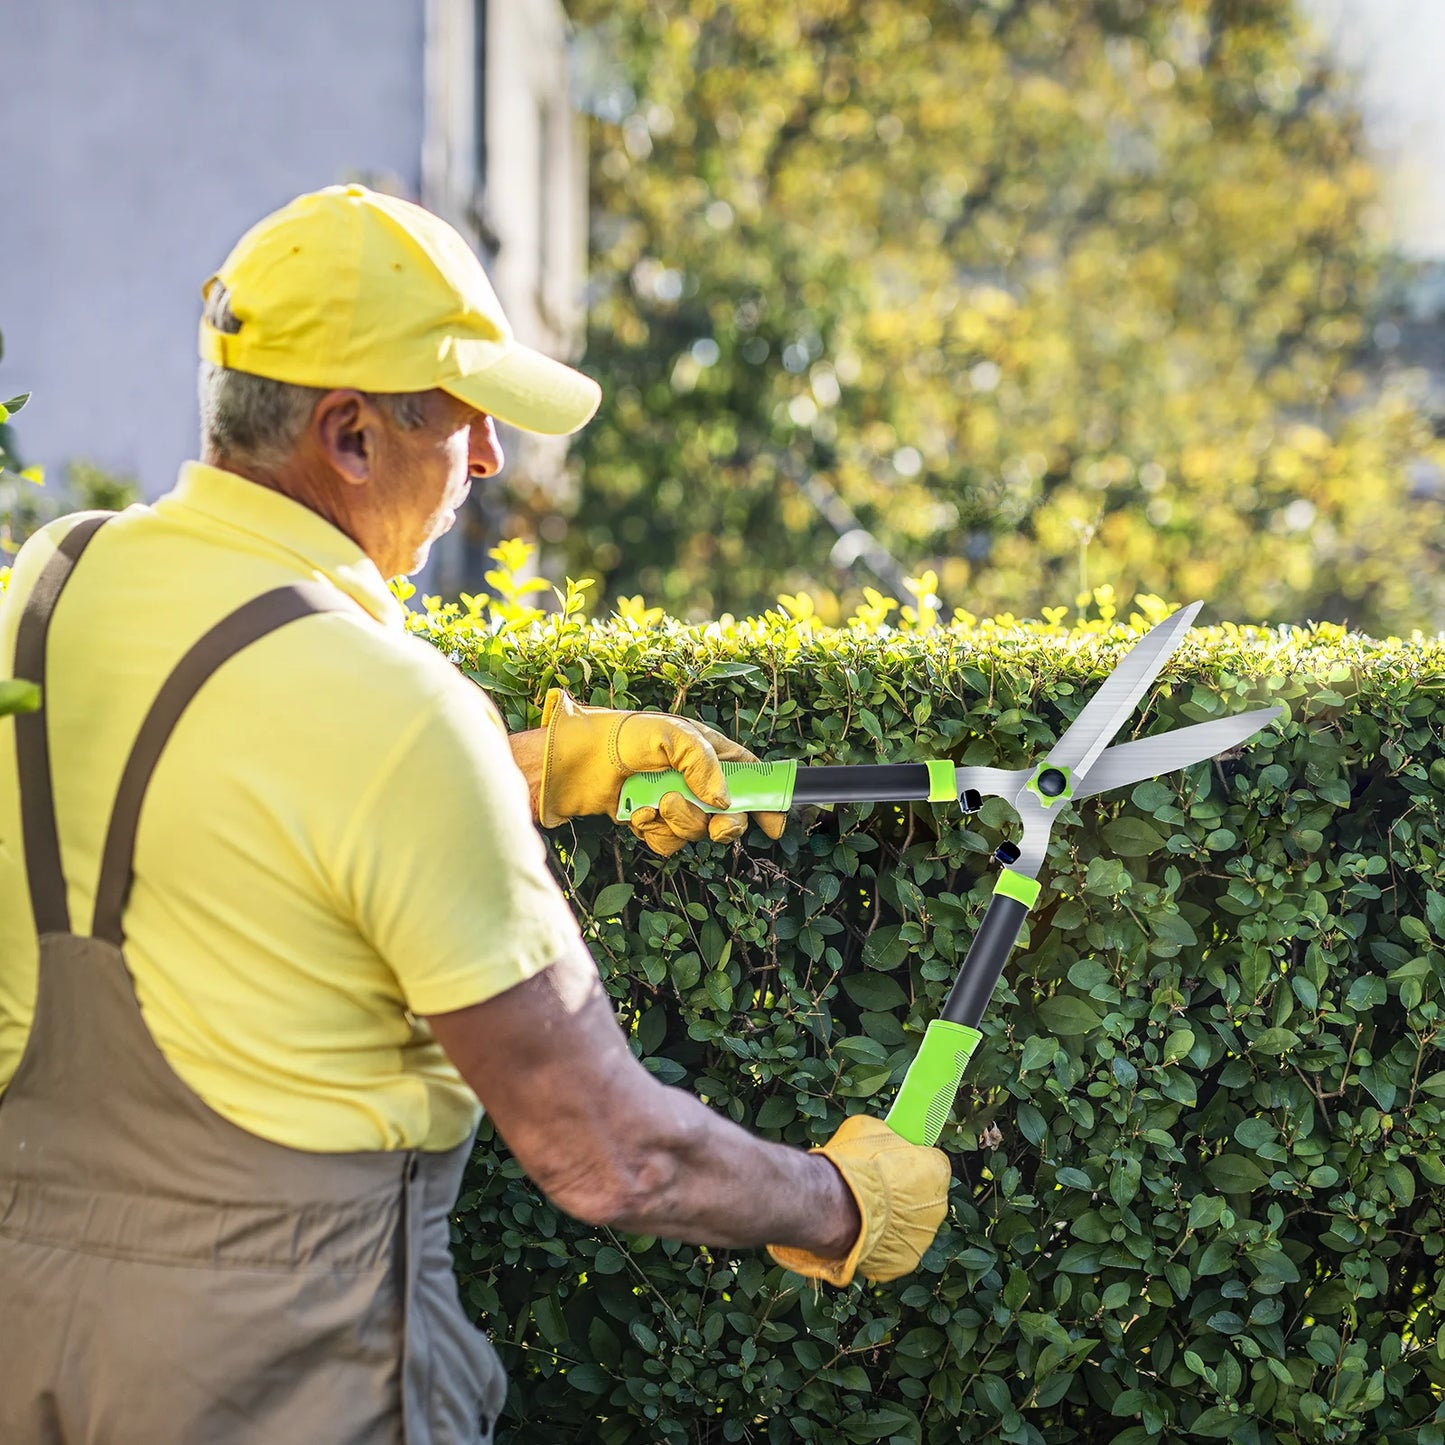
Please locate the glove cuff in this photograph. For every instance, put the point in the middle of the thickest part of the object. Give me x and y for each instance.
(571, 783)
(558, 703)
(837, 1272)
(557, 697)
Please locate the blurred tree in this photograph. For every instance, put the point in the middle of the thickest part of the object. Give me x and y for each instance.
(24, 507)
(1041, 294)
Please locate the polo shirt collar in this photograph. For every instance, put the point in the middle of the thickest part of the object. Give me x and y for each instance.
(236, 501)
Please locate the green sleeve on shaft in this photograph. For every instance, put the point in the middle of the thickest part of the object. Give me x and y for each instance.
(1019, 886)
(921, 1109)
(942, 781)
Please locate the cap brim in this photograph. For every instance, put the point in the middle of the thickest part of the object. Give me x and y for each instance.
(529, 390)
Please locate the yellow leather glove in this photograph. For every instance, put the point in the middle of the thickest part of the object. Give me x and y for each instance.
(590, 751)
(902, 1195)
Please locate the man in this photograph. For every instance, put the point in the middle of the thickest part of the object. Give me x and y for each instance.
(274, 916)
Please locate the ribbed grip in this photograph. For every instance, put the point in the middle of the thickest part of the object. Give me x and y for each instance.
(922, 1107)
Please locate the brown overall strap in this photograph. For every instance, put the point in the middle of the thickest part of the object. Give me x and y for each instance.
(264, 614)
(32, 737)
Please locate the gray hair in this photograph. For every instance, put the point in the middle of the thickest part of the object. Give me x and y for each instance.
(260, 420)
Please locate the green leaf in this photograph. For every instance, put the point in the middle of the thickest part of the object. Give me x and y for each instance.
(1366, 992)
(1275, 1041)
(1078, 1259)
(1255, 1133)
(1414, 929)
(1401, 1183)
(1131, 837)
(1038, 1053)
(686, 970)
(884, 948)
(1032, 1124)
(1215, 1423)
(886, 1422)
(720, 991)
(1178, 1044)
(609, 1260)
(875, 991)
(1204, 1210)
(1151, 795)
(1068, 1016)
(1380, 1086)
(716, 671)
(1435, 912)
(18, 697)
(775, 1112)
(1235, 1174)
(16, 403)
(1106, 877)
(551, 1324)
(603, 1342)
(610, 902)
(1173, 929)
(590, 1379)
(1117, 1295)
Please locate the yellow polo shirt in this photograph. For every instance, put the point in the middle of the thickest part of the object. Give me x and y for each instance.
(336, 841)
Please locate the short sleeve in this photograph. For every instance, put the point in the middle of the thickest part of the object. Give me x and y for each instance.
(443, 867)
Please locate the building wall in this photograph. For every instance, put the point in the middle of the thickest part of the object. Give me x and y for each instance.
(1394, 50)
(506, 164)
(141, 139)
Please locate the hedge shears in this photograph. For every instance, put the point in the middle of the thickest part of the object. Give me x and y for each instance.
(1080, 765)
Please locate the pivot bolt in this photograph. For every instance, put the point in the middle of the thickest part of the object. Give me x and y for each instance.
(1008, 854)
(1052, 782)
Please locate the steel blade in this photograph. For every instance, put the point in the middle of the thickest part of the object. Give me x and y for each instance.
(1149, 757)
(1103, 715)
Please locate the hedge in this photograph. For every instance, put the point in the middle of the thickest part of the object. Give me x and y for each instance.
(1198, 1160)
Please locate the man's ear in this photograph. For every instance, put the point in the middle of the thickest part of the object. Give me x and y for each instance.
(344, 424)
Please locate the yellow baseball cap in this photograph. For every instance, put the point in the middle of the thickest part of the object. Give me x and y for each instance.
(346, 287)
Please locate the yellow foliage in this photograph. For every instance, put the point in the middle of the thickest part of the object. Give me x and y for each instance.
(1006, 233)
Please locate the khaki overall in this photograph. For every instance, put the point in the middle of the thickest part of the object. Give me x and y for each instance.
(166, 1276)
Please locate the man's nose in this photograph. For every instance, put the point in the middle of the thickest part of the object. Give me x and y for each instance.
(484, 457)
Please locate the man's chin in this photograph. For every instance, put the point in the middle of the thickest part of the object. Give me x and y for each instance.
(419, 560)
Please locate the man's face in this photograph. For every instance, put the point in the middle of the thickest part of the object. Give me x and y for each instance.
(425, 475)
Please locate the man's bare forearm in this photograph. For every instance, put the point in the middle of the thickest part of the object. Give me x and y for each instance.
(689, 1173)
(611, 1145)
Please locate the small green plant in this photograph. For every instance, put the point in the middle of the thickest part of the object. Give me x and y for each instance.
(17, 510)
(17, 697)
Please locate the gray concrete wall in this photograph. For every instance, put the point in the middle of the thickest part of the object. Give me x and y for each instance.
(141, 138)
